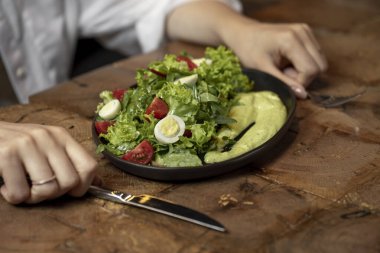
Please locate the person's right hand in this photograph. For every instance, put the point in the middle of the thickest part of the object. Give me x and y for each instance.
(32, 154)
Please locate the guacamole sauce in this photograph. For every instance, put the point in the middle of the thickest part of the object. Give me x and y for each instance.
(183, 159)
(264, 108)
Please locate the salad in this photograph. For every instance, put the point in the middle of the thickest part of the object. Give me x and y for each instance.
(172, 116)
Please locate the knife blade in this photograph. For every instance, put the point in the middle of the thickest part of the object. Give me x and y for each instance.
(158, 205)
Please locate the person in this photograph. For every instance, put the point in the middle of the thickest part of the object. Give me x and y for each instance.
(37, 43)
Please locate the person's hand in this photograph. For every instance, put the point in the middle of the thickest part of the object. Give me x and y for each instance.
(42, 162)
(289, 52)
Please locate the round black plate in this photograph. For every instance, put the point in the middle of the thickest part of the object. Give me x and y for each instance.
(263, 81)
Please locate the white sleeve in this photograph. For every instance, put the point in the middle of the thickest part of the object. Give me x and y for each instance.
(130, 26)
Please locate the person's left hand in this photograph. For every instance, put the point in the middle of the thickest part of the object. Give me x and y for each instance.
(289, 52)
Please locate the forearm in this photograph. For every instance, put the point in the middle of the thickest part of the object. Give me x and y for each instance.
(205, 22)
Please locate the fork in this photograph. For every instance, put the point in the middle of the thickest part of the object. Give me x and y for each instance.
(329, 101)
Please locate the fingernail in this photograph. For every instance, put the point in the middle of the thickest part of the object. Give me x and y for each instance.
(300, 92)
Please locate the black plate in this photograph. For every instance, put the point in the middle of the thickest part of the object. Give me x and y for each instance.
(263, 81)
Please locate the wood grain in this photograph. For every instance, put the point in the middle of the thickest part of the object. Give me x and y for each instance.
(320, 191)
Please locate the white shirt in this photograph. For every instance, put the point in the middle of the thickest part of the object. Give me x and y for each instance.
(38, 37)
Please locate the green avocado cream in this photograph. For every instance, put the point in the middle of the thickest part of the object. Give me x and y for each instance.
(264, 108)
(184, 159)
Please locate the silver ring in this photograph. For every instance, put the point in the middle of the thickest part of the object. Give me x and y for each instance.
(44, 181)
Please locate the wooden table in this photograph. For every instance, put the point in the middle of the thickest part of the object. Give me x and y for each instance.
(321, 193)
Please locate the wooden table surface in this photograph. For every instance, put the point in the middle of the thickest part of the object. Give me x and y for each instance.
(321, 192)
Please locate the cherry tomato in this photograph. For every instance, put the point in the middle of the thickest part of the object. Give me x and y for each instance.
(189, 62)
(102, 126)
(142, 153)
(158, 107)
(119, 94)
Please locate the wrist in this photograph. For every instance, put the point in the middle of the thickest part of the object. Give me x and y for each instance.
(236, 29)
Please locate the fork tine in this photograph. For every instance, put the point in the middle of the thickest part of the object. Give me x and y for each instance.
(334, 101)
(342, 100)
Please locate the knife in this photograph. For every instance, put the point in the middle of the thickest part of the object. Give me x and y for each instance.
(156, 205)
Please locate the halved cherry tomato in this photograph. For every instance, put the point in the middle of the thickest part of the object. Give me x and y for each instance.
(142, 153)
(189, 62)
(119, 94)
(158, 107)
(157, 72)
(102, 126)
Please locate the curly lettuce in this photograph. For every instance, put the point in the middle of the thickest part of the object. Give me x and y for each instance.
(203, 105)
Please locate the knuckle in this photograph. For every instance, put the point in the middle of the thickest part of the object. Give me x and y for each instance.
(17, 197)
(58, 130)
(89, 167)
(306, 27)
(39, 132)
(6, 151)
(289, 35)
(69, 183)
(25, 140)
(301, 27)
